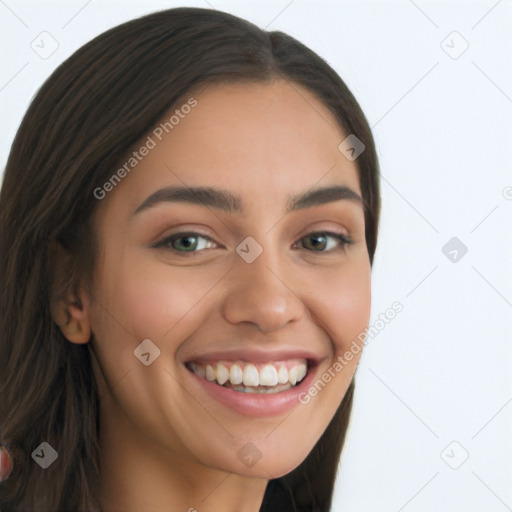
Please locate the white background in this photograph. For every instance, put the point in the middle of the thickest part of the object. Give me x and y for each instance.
(441, 370)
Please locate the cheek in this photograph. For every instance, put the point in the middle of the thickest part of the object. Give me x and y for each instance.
(342, 303)
(150, 299)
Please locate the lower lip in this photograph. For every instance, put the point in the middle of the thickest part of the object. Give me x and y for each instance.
(256, 404)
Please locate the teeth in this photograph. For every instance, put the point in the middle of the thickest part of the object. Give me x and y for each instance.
(233, 375)
(292, 375)
(222, 374)
(201, 371)
(301, 373)
(251, 376)
(282, 375)
(268, 376)
(210, 373)
(276, 389)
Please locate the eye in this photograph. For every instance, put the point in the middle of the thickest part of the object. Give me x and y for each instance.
(189, 242)
(184, 242)
(320, 241)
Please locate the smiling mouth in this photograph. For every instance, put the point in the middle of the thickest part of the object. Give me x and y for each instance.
(247, 377)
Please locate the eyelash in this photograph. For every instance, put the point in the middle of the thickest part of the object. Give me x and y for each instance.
(343, 239)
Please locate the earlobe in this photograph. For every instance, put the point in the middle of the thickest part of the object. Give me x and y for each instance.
(72, 317)
(69, 304)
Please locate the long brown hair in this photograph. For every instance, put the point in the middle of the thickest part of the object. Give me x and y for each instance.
(84, 119)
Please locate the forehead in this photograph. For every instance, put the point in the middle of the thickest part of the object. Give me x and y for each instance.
(259, 127)
(261, 141)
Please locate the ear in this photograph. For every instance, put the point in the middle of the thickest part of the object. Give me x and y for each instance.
(69, 303)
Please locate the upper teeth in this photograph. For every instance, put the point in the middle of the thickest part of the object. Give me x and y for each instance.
(270, 374)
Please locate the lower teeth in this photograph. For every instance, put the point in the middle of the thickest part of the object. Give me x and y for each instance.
(248, 389)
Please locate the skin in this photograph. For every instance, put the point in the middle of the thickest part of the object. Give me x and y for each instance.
(161, 447)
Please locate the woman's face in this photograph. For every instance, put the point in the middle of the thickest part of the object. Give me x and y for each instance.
(258, 288)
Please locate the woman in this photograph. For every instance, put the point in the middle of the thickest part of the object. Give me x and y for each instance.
(140, 373)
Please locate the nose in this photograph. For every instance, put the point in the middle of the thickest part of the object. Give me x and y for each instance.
(261, 293)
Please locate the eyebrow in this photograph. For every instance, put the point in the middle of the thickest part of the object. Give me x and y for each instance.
(226, 201)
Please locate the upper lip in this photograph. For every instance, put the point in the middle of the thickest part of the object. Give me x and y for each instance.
(255, 355)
